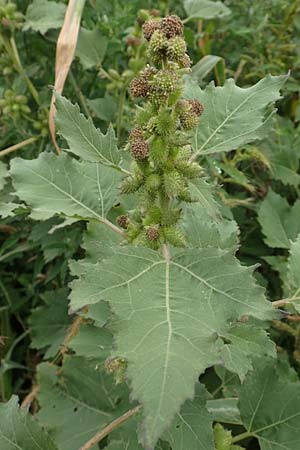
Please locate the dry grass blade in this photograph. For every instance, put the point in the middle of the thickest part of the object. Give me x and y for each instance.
(65, 50)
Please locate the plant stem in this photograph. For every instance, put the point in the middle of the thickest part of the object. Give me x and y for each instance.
(22, 144)
(21, 70)
(112, 426)
(113, 227)
(241, 437)
(120, 113)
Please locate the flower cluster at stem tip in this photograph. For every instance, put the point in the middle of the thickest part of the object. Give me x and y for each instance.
(159, 142)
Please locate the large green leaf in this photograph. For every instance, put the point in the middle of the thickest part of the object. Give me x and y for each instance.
(92, 342)
(3, 174)
(105, 107)
(205, 9)
(53, 185)
(283, 151)
(192, 426)
(43, 15)
(7, 206)
(91, 47)
(84, 139)
(49, 322)
(169, 316)
(270, 408)
(293, 273)
(19, 431)
(279, 221)
(233, 116)
(76, 401)
(204, 231)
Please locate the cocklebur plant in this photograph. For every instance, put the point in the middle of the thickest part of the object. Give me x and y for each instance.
(160, 277)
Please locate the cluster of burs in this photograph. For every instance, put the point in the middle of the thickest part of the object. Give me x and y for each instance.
(159, 142)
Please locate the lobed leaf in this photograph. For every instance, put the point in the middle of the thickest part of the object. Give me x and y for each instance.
(279, 221)
(61, 185)
(270, 408)
(169, 317)
(68, 410)
(205, 9)
(233, 116)
(43, 15)
(84, 139)
(18, 430)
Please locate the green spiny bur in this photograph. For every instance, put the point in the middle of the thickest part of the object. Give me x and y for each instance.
(158, 141)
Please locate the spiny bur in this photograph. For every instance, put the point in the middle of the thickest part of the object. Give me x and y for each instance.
(159, 143)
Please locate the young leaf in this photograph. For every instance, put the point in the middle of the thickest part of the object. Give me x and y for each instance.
(233, 116)
(279, 221)
(18, 430)
(53, 185)
(43, 15)
(67, 407)
(83, 138)
(169, 315)
(270, 408)
(205, 9)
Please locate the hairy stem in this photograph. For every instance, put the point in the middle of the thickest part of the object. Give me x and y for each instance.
(111, 427)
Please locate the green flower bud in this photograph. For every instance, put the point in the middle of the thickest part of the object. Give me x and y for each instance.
(142, 16)
(154, 215)
(189, 119)
(176, 49)
(173, 183)
(158, 150)
(188, 170)
(174, 236)
(153, 182)
(144, 115)
(170, 216)
(158, 45)
(131, 185)
(165, 81)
